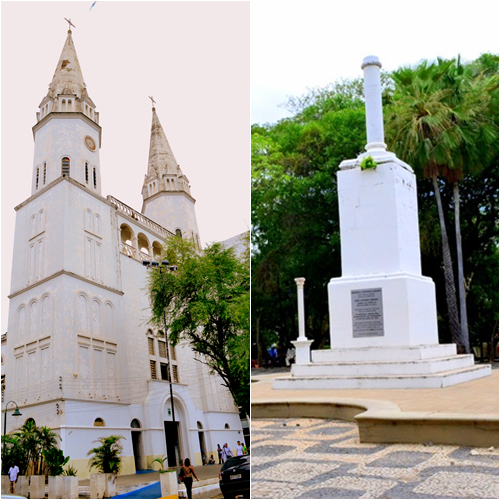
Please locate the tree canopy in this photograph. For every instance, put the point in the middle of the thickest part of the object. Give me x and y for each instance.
(206, 303)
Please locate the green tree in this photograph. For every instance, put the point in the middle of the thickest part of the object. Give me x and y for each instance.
(440, 125)
(107, 458)
(206, 303)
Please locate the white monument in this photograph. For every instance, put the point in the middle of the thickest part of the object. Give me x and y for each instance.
(383, 321)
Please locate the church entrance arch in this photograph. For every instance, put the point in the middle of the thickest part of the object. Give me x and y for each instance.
(135, 426)
(175, 430)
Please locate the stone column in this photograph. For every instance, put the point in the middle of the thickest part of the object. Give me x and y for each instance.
(168, 482)
(302, 345)
(37, 487)
(373, 105)
(97, 485)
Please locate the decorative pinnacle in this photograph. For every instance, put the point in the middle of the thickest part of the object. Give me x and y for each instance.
(153, 102)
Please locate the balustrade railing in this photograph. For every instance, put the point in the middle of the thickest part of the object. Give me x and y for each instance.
(134, 214)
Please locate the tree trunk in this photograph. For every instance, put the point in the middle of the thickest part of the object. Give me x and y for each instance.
(449, 279)
(464, 327)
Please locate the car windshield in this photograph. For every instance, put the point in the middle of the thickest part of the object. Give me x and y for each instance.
(234, 461)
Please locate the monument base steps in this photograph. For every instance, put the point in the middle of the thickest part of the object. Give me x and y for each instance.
(426, 366)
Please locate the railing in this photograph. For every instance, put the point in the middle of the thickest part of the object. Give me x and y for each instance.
(133, 214)
(128, 250)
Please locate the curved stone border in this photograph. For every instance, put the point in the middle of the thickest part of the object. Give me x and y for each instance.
(384, 422)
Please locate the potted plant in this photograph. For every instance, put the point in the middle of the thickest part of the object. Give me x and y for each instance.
(168, 479)
(107, 459)
(60, 485)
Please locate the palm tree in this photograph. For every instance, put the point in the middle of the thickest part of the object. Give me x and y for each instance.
(439, 124)
(107, 457)
(420, 127)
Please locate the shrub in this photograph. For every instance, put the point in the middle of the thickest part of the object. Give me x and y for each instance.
(107, 457)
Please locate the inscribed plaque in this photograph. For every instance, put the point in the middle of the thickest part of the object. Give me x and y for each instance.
(367, 313)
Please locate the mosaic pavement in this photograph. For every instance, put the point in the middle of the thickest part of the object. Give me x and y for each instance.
(309, 458)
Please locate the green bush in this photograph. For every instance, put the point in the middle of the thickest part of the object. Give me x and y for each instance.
(107, 457)
(55, 460)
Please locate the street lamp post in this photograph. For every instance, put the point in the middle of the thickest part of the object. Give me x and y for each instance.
(164, 265)
(16, 414)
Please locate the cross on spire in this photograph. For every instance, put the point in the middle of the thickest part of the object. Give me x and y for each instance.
(153, 102)
(69, 23)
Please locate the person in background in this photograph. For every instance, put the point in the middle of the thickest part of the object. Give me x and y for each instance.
(226, 452)
(212, 460)
(219, 452)
(239, 449)
(188, 473)
(13, 473)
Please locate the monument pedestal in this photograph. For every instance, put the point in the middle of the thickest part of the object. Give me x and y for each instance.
(383, 318)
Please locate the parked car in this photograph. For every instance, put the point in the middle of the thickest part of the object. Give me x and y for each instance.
(234, 477)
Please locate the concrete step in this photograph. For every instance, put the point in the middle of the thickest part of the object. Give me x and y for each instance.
(435, 380)
(385, 368)
(401, 353)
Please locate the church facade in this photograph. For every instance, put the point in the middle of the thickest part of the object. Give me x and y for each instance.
(80, 356)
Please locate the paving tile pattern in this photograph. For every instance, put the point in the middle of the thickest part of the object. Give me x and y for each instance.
(313, 458)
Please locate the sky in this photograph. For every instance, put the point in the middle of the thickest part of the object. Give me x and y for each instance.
(301, 45)
(213, 69)
(192, 57)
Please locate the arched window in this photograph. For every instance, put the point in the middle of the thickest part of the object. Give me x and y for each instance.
(226, 426)
(65, 166)
(143, 243)
(95, 179)
(178, 233)
(30, 420)
(86, 172)
(44, 173)
(135, 424)
(64, 104)
(70, 107)
(200, 425)
(98, 422)
(37, 175)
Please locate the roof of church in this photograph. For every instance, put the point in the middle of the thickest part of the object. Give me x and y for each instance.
(68, 77)
(161, 157)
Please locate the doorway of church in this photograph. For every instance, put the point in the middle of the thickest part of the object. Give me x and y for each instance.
(136, 446)
(170, 435)
(201, 437)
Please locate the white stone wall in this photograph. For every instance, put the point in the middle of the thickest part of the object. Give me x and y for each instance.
(173, 210)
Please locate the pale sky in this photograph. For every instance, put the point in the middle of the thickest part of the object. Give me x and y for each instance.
(192, 57)
(300, 45)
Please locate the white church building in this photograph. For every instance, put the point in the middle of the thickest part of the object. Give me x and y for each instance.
(80, 356)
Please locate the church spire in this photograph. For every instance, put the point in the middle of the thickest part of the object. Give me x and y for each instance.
(164, 174)
(67, 91)
(161, 157)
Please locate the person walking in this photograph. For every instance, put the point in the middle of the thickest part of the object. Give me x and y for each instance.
(226, 452)
(187, 476)
(13, 473)
(239, 449)
(219, 452)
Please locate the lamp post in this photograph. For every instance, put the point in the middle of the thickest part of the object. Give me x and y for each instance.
(164, 266)
(16, 414)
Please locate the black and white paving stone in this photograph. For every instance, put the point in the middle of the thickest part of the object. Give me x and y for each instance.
(314, 458)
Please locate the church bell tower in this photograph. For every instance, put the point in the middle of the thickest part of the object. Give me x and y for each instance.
(67, 133)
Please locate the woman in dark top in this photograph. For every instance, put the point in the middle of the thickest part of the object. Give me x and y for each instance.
(219, 452)
(188, 473)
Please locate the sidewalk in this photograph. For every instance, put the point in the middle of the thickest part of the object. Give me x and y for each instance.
(464, 414)
(207, 474)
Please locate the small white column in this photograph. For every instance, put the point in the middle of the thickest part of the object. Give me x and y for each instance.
(373, 106)
(302, 345)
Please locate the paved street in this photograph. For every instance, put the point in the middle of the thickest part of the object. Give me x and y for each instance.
(313, 458)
